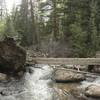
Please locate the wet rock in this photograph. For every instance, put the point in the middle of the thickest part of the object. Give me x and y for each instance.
(4, 93)
(2, 76)
(93, 91)
(61, 95)
(12, 56)
(68, 76)
(78, 93)
(20, 74)
(96, 69)
(30, 70)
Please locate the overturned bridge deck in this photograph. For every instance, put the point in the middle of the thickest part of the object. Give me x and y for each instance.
(67, 61)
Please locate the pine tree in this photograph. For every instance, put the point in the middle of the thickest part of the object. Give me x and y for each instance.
(9, 29)
(93, 33)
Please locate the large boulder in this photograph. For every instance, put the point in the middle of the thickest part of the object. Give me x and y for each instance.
(63, 75)
(93, 91)
(12, 56)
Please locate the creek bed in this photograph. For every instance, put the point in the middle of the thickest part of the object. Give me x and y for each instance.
(75, 91)
(37, 84)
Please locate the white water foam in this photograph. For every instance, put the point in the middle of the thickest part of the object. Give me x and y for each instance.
(37, 83)
(85, 84)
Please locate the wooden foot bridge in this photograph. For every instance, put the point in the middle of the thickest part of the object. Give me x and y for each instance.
(69, 61)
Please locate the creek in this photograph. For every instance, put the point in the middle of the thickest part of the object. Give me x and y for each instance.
(37, 84)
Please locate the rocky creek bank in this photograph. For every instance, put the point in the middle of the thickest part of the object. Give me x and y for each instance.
(77, 82)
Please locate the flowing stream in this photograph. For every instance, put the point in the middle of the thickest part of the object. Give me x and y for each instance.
(37, 84)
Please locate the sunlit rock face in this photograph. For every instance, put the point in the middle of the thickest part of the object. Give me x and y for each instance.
(68, 76)
(12, 56)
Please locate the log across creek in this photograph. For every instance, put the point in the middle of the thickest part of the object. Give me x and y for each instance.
(67, 61)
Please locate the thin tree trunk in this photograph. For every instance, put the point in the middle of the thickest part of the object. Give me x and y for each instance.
(33, 24)
(54, 26)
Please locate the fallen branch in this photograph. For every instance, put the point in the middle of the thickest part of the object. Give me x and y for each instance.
(82, 72)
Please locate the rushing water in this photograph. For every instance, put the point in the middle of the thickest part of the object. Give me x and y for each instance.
(87, 83)
(35, 85)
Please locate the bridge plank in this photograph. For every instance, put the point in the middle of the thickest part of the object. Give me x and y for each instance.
(68, 61)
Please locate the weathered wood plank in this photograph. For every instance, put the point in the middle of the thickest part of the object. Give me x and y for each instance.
(68, 61)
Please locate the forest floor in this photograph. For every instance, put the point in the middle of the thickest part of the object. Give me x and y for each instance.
(47, 49)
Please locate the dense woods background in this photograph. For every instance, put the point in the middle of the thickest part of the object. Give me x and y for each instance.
(60, 28)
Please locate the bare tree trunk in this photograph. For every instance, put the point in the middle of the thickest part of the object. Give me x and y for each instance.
(3, 9)
(54, 26)
(34, 25)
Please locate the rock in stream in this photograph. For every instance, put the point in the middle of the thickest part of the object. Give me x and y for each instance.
(93, 91)
(62, 75)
